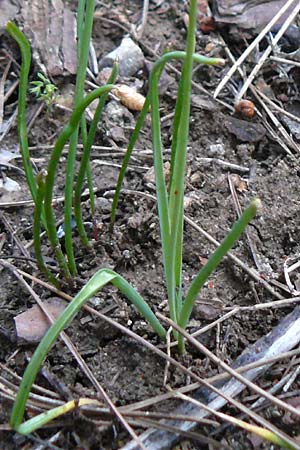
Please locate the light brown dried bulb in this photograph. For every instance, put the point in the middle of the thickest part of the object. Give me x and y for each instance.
(129, 97)
(246, 108)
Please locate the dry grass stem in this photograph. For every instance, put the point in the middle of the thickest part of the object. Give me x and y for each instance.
(2, 97)
(252, 46)
(247, 232)
(268, 51)
(230, 370)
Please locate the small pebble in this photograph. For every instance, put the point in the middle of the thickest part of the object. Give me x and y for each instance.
(217, 150)
(129, 55)
(103, 204)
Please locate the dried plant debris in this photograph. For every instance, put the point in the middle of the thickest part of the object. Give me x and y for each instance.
(32, 324)
(282, 338)
(52, 28)
(252, 15)
(9, 185)
(239, 183)
(7, 155)
(292, 125)
(290, 418)
(129, 97)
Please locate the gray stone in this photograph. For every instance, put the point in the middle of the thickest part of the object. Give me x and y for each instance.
(129, 56)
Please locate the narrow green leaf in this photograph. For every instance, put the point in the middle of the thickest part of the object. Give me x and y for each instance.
(100, 279)
(213, 262)
(24, 46)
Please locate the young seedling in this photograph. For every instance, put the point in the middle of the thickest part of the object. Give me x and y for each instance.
(169, 203)
(170, 198)
(44, 214)
(100, 279)
(84, 26)
(24, 45)
(44, 89)
(84, 165)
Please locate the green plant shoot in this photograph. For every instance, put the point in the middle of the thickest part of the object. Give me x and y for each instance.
(169, 204)
(24, 46)
(100, 279)
(85, 25)
(44, 89)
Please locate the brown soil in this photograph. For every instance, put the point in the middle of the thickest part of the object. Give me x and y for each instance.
(126, 370)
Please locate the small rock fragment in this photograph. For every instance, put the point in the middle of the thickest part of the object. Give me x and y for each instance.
(129, 56)
(206, 312)
(190, 199)
(103, 204)
(32, 324)
(245, 131)
(216, 150)
(196, 177)
(66, 96)
(9, 185)
(289, 418)
(61, 228)
(135, 221)
(204, 102)
(115, 114)
(117, 134)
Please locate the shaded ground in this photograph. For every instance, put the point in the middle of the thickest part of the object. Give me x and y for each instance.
(128, 371)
